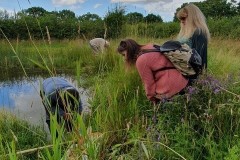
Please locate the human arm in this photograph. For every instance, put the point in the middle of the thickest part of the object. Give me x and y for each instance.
(147, 77)
(200, 43)
(67, 114)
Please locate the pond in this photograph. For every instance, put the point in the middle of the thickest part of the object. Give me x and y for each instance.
(20, 95)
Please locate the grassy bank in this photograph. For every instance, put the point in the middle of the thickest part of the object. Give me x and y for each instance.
(18, 135)
(203, 124)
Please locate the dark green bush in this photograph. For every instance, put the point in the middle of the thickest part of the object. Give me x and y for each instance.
(115, 24)
(115, 20)
(225, 27)
(158, 30)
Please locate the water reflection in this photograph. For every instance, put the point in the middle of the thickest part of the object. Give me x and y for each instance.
(12, 92)
(21, 97)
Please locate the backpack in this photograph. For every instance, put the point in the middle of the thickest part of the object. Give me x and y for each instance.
(184, 59)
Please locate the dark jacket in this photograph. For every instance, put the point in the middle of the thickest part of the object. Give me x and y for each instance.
(50, 93)
(200, 43)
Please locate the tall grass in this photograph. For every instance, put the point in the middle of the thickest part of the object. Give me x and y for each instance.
(202, 124)
(52, 54)
(18, 135)
(224, 57)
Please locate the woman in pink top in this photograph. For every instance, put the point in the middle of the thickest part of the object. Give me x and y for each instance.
(160, 83)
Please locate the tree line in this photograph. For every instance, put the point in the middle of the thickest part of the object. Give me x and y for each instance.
(37, 23)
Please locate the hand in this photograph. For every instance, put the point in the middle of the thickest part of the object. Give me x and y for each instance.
(66, 116)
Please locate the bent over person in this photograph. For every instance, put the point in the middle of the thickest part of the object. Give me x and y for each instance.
(161, 80)
(60, 97)
(98, 44)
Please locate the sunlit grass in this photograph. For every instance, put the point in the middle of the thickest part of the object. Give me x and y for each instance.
(224, 57)
(17, 135)
(202, 124)
(132, 127)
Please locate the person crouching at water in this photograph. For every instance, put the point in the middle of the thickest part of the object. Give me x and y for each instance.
(60, 97)
(98, 45)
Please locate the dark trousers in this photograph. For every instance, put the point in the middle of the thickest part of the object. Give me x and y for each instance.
(68, 125)
(54, 108)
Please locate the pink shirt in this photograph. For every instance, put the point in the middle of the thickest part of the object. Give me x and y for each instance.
(167, 82)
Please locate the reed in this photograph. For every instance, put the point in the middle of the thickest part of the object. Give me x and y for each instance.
(17, 134)
(201, 124)
(224, 57)
(193, 126)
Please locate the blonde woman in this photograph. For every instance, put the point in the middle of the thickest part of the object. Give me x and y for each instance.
(194, 30)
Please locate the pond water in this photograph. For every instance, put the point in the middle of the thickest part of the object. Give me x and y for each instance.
(21, 97)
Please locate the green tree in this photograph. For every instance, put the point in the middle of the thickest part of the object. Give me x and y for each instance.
(115, 20)
(8, 27)
(4, 14)
(238, 8)
(35, 11)
(134, 17)
(51, 20)
(89, 17)
(66, 14)
(91, 25)
(152, 18)
(215, 8)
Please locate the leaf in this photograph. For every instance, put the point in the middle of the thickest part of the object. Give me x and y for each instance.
(38, 64)
(145, 150)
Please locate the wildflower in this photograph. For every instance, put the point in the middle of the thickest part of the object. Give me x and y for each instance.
(149, 128)
(191, 91)
(154, 119)
(216, 90)
(210, 83)
(158, 136)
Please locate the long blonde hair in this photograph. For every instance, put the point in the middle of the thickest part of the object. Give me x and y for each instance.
(194, 20)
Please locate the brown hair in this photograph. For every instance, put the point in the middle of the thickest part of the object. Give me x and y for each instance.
(68, 98)
(132, 48)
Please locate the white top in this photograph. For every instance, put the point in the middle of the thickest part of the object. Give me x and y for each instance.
(98, 44)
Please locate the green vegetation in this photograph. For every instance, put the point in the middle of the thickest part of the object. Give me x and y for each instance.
(202, 124)
(18, 135)
(41, 24)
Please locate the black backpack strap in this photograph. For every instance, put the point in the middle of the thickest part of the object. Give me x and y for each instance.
(163, 69)
(149, 50)
(156, 50)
